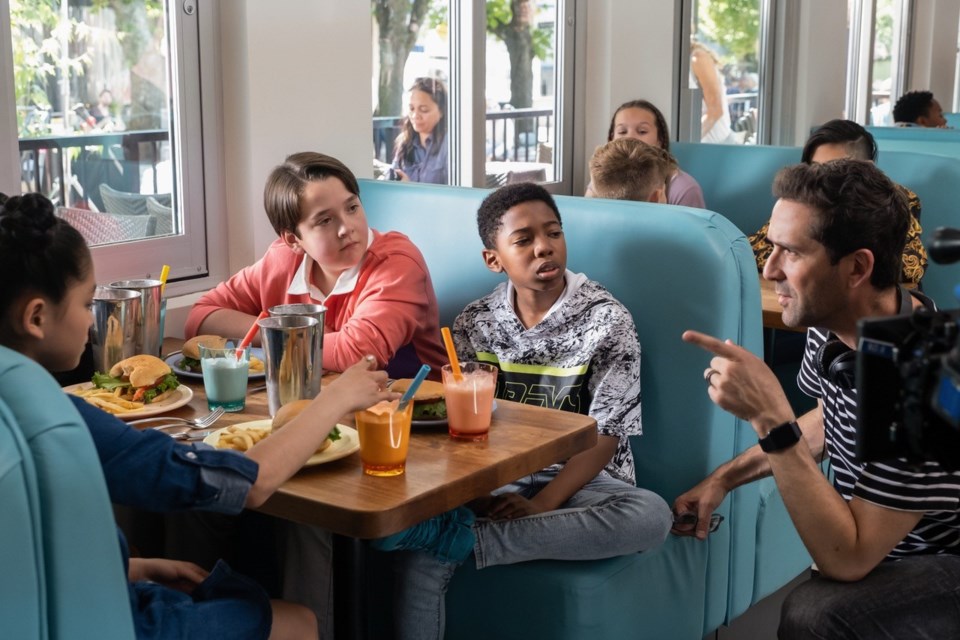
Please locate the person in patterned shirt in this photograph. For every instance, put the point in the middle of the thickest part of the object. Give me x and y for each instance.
(562, 341)
(847, 139)
(886, 536)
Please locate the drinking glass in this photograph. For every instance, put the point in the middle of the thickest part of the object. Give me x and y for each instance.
(384, 438)
(469, 399)
(225, 376)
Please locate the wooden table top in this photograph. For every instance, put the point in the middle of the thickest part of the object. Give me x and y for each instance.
(441, 473)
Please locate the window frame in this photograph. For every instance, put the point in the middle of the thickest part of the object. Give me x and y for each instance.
(198, 255)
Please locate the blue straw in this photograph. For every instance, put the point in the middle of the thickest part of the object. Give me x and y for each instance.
(412, 389)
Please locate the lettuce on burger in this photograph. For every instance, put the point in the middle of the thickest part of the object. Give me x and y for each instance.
(141, 378)
(428, 401)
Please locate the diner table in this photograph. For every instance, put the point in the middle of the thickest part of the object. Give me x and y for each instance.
(441, 473)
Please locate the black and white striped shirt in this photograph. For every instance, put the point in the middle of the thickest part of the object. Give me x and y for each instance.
(894, 484)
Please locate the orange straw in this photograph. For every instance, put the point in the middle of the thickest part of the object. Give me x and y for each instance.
(247, 339)
(451, 353)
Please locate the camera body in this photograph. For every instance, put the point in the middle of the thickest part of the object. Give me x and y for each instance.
(908, 385)
(908, 380)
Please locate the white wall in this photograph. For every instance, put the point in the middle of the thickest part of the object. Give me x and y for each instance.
(295, 78)
(934, 50)
(821, 74)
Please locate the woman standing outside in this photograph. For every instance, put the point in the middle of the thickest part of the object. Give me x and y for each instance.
(421, 148)
(641, 120)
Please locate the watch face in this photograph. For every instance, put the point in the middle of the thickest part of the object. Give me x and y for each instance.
(781, 437)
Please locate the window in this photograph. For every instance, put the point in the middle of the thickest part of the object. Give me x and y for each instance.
(107, 120)
(411, 91)
(878, 44)
(521, 65)
(727, 82)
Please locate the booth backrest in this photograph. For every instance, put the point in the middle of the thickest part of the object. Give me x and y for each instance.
(77, 567)
(22, 599)
(737, 180)
(936, 180)
(944, 142)
(674, 268)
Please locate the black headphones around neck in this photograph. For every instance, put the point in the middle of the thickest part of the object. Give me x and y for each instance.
(838, 363)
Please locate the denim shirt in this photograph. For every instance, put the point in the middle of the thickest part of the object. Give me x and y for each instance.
(150, 470)
(429, 164)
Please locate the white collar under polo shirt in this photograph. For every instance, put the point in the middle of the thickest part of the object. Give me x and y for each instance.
(346, 283)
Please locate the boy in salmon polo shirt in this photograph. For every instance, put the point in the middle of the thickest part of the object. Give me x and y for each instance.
(375, 286)
(559, 340)
(379, 300)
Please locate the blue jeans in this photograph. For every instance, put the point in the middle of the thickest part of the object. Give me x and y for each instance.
(605, 518)
(917, 597)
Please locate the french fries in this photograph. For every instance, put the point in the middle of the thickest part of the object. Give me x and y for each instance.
(109, 401)
(240, 438)
(256, 365)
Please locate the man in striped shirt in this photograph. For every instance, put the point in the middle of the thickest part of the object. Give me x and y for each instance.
(885, 537)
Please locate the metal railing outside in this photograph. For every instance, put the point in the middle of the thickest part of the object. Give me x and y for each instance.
(54, 164)
(512, 134)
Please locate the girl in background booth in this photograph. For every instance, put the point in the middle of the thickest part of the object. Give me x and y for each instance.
(421, 149)
(641, 120)
(46, 317)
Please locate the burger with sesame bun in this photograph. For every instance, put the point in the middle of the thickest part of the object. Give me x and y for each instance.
(142, 378)
(428, 401)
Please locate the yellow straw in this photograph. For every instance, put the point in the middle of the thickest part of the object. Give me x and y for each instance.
(164, 272)
(451, 353)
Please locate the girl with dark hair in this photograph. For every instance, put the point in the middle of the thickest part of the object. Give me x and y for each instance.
(46, 316)
(421, 149)
(641, 120)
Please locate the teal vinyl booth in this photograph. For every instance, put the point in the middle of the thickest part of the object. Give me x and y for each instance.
(62, 576)
(737, 183)
(944, 142)
(674, 268)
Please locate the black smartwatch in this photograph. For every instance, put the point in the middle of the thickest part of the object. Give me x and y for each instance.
(781, 437)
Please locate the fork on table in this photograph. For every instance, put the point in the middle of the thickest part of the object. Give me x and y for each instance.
(193, 423)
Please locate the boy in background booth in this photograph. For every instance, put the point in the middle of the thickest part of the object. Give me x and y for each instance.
(627, 169)
(919, 109)
(550, 327)
(643, 121)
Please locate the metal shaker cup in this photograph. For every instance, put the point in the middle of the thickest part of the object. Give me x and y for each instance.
(293, 351)
(112, 335)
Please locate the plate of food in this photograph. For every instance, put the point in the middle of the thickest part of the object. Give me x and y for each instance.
(341, 442)
(136, 387)
(186, 362)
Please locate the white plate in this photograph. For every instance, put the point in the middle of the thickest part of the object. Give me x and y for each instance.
(348, 443)
(180, 396)
(438, 422)
(174, 359)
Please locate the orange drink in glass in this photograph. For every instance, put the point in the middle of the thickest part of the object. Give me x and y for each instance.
(470, 399)
(384, 438)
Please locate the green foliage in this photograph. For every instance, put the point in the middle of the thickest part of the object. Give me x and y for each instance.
(734, 25)
(45, 48)
(499, 17)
